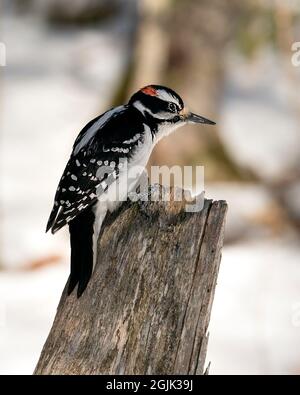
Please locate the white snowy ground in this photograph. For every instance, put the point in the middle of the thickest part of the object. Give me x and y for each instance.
(27, 307)
(255, 323)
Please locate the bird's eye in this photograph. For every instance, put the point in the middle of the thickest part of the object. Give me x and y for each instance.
(172, 107)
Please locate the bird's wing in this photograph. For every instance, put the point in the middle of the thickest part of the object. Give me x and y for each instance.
(98, 152)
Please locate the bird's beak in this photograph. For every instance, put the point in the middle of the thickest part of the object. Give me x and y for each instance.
(194, 118)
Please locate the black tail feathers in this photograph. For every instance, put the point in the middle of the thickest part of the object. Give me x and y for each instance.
(52, 218)
(81, 239)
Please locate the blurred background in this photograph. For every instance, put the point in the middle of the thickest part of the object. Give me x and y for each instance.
(69, 60)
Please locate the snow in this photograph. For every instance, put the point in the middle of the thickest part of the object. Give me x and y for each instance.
(28, 304)
(255, 326)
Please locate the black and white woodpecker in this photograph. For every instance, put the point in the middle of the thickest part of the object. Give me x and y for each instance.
(96, 168)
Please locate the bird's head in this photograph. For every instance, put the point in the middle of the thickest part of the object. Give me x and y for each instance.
(164, 105)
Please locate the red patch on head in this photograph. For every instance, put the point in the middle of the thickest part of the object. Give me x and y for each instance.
(149, 90)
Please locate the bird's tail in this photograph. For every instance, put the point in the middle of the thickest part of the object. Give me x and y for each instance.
(81, 239)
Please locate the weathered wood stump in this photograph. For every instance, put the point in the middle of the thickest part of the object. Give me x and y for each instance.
(147, 307)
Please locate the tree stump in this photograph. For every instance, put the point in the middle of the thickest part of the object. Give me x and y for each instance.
(147, 307)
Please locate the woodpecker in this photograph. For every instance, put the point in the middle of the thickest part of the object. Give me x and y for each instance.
(96, 165)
